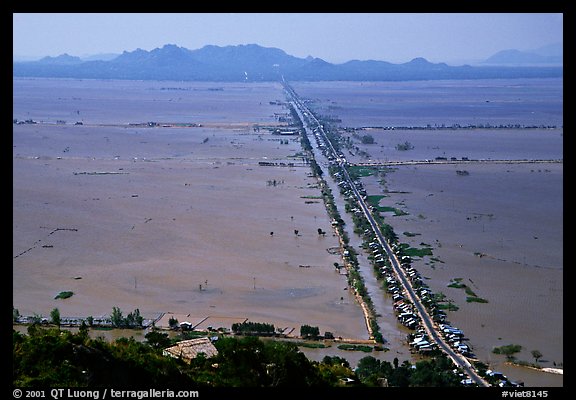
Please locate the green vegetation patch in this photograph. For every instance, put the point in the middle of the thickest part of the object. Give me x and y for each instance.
(414, 252)
(474, 299)
(410, 234)
(397, 212)
(361, 171)
(508, 349)
(367, 139)
(253, 328)
(356, 347)
(456, 283)
(374, 200)
(448, 307)
(244, 362)
(64, 295)
(404, 146)
(313, 345)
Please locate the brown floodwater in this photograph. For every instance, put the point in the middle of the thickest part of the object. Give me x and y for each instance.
(179, 220)
(498, 228)
(170, 219)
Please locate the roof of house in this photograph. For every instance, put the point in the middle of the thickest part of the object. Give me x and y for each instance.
(189, 349)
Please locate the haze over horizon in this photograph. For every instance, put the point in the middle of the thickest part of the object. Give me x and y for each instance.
(452, 38)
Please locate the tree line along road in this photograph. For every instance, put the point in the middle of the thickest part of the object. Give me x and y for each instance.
(431, 328)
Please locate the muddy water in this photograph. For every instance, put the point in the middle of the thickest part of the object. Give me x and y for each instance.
(179, 212)
(169, 220)
(422, 103)
(512, 215)
(519, 236)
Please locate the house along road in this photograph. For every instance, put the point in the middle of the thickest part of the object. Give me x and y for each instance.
(431, 328)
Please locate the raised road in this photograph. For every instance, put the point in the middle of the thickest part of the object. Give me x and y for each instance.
(427, 321)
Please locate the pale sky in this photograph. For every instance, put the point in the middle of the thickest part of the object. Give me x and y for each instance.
(454, 38)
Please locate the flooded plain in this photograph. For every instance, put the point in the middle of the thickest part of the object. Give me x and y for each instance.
(182, 219)
(179, 219)
(498, 227)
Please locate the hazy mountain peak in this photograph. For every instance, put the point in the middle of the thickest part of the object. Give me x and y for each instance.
(131, 56)
(170, 51)
(419, 61)
(546, 55)
(63, 59)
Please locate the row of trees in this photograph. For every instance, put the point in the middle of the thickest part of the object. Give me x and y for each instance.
(132, 320)
(511, 349)
(253, 328)
(435, 372)
(55, 358)
(307, 331)
(265, 329)
(355, 279)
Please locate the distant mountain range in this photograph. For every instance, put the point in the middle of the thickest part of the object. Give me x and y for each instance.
(548, 55)
(256, 63)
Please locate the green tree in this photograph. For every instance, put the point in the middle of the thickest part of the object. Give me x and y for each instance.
(83, 331)
(55, 317)
(117, 318)
(367, 139)
(400, 377)
(240, 362)
(286, 366)
(404, 146)
(367, 368)
(173, 323)
(253, 328)
(537, 355)
(378, 337)
(336, 360)
(309, 331)
(51, 357)
(54, 358)
(158, 340)
(436, 372)
(134, 319)
(508, 350)
(332, 373)
(36, 319)
(370, 370)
